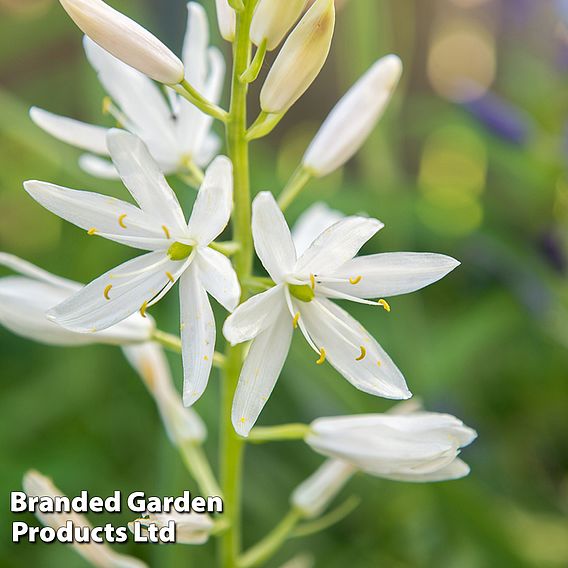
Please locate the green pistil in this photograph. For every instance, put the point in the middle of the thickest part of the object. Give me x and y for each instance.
(303, 293)
(179, 251)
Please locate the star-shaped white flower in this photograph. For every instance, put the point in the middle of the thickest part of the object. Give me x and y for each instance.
(179, 251)
(301, 298)
(176, 133)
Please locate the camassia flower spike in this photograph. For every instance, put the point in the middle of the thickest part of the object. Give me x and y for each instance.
(301, 299)
(178, 251)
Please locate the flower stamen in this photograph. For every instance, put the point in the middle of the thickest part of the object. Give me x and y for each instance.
(106, 291)
(143, 309)
(313, 281)
(322, 358)
(363, 354)
(384, 304)
(166, 232)
(170, 277)
(91, 231)
(296, 320)
(355, 280)
(121, 221)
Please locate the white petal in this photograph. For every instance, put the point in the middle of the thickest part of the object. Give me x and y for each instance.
(195, 45)
(32, 271)
(146, 110)
(455, 470)
(182, 424)
(103, 213)
(215, 80)
(98, 167)
(260, 372)
(197, 335)
(125, 39)
(342, 337)
(392, 274)
(226, 18)
(144, 180)
(208, 149)
(219, 277)
(314, 221)
(74, 132)
(214, 203)
(315, 494)
(89, 310)
(336, 245)
(255, 315)
(272, 238)
(353, 119)
(273, 19)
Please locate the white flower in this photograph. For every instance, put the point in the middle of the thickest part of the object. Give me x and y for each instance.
(353, 119)
(99, 555)
(25, 299)
(125, 39)
(227, 19)
(191, 528)
(183, 425)
(311, 223)
(420, 446)
(300, 59)
(301, 298)
(179, 251)
(273, 19)
(176, 132)
(313, 496)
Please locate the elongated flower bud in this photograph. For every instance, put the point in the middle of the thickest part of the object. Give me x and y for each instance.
(300, 60)
(125, 39)
(314, 495)
(273, 19)
(96, 554)
(227, 19)
(352, 120)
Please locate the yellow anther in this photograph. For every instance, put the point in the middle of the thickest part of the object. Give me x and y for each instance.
(107, 105)
(384, 304)
(296, 320)
(91, 231)
(313, 281)
(166, 231)
(106, 291)
(143, 309)
(355, 280)
(243, 420)
(206, 358)
(321, 360)
(170, 277)
(363, 354)
(121, 220)
(379, 363)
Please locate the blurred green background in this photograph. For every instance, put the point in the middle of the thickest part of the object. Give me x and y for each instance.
(470, 161)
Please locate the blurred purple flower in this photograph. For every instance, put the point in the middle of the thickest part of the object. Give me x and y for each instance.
(501, 117)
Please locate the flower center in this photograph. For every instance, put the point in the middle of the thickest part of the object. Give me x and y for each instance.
(179, 251)
(304, 293)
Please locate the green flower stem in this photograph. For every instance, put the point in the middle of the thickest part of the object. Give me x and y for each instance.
(251, 74)
(332, 518)
(194, 172)
(260, 435)
(264, 125)
(228, 248)
(198, 465)
(294, 187)
(188, 92)
(173, 343)
(231, 446)
(259, 284)
(270, 544)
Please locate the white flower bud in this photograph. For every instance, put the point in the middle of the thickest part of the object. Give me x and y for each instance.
(313, 496)
(125, 39)
(300, 60)
(227, 19)
(191, 528)
(419, 447)
(182, 424)
(273, 19)
(97, 554)
(352, 120)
